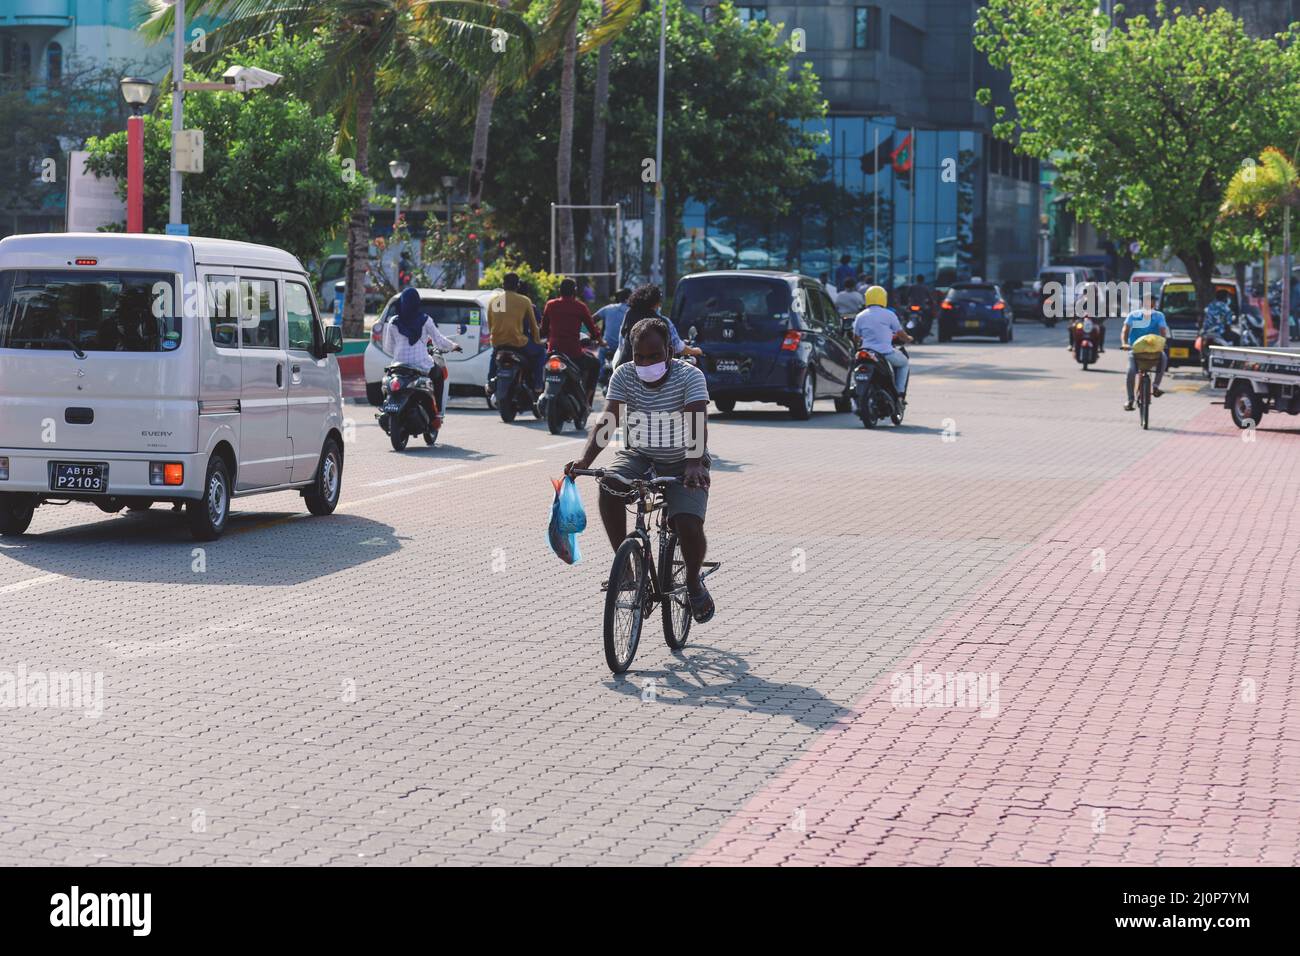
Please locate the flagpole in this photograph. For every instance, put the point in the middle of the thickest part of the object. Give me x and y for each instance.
(875, 212)
(911, 221)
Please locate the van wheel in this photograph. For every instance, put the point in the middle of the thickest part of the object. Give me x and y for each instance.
(725, 405)
(801, 409)
(322, 496)
(208, 515)
(15, 515)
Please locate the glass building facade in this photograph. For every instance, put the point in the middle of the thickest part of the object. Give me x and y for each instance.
(893, 219)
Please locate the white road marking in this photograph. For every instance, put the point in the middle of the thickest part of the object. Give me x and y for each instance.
(419, 474)
(410, 491)
(561, 444)
(30, 583)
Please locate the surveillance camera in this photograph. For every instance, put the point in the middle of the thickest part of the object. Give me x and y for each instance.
(247, 78)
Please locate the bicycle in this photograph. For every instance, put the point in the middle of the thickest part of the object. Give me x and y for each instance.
(1147, 362)
(636, 582)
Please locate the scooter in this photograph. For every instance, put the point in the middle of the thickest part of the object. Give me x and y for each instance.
(411, 402)
(565, 397)
(1083, 332)
(510, 385)
(875, 393)
(918, 319)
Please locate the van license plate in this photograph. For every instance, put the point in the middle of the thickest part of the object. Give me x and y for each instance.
(1179, 353)
(77, 476)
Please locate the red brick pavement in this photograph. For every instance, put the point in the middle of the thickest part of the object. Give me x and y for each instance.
(1147, 713)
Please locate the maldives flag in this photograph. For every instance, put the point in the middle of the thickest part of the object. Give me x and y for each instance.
(902, 156)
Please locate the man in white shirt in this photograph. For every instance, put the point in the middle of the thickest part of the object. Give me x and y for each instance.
(877, 328)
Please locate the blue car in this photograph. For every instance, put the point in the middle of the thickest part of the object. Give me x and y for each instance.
(975, 308)
(767, 336)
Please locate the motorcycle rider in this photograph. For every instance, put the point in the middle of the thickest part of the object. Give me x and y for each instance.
(563, 320)
(610, 318)
(644, 304)
(511, 319)
(849, 301)
(1215, 321)
(877, 328)
(1088, 306)
(1146, 320)
(407, 335)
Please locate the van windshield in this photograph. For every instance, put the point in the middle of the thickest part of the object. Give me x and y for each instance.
(52, 309)
(743, 308)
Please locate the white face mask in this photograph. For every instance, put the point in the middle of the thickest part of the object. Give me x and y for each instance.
(651, 373)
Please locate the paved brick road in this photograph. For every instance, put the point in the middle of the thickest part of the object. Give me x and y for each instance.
(418, 679)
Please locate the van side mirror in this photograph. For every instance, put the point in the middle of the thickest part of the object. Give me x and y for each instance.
(333, 339)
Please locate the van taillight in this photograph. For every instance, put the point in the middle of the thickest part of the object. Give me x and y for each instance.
(87, 262)
(791, 340)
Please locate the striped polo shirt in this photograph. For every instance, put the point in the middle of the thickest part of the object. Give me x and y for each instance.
(654, 421)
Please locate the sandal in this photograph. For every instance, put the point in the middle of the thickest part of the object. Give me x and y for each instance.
(701, 605)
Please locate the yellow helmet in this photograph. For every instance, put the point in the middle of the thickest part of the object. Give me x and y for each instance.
(876, 295)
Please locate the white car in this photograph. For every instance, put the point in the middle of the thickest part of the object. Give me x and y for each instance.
(467, 371)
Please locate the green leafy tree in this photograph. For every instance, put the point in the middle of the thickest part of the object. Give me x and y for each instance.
(270, 174)
(1153, 117)
(730, 126)
(371, 45)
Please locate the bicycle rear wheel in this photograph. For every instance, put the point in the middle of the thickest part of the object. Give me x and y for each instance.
(677, 604)
(1144, 398)
(625, 605)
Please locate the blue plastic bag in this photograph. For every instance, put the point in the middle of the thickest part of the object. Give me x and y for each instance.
(564, 544)
(573, 519)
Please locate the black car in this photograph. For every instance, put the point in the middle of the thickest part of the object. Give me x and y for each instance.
(767, 336)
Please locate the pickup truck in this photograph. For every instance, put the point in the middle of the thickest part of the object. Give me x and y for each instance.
(1256, 379)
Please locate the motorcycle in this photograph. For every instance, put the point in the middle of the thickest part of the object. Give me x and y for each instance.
(410, 403)
(1084, 335)
(918, 319)
(510, 386)
(565, 396)
(875, 394)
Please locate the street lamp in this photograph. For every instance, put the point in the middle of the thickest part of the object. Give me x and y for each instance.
(237, 79)
(136, 92)
(398, 170)
(447, 183)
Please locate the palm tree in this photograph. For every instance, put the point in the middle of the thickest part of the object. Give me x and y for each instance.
(447, 45)
(1258, 191)
(615, 16)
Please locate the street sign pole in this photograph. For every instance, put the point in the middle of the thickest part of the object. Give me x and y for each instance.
(656, 267)
(178, 107)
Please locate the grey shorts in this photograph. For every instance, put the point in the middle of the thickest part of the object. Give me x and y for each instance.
(679, 499)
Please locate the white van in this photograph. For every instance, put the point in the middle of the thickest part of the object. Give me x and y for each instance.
(140, 369)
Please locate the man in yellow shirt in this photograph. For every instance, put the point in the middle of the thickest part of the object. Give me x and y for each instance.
(511, 320)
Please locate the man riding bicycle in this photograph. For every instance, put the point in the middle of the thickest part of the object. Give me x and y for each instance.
(661, 404)
(1146, 320)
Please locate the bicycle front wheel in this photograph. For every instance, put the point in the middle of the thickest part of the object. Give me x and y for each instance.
(1144, 399)
(625, 605)
(677, 605)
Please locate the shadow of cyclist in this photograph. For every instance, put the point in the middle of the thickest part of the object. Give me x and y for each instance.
(703, 676)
